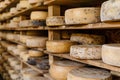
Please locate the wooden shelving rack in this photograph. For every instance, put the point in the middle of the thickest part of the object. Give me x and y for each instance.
(54, 9)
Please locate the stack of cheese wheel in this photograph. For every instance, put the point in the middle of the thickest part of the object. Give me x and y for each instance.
(13, 10)
(35, 53)
(86, 51)
(35, 1)
(110, 10)
(59, 46)
(38, 15)
(23, 5)
(89, 74)
(62, 68)
(82, 15)
(28, 73)
(111, 53)
(88, 39)
(55, 21)
(37, 42)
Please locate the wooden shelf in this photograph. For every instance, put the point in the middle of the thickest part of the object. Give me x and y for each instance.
(13, 3)
(26, 11)
(97, 63)
(73, 2)
(112, 25)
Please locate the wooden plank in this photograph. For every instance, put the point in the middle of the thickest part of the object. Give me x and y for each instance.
(111, 25)
(97, 63)
(71, 2)
(54, 10)
(47, 75)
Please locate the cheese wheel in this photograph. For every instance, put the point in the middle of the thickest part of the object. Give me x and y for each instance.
(23, 38)
(110, 54)
(21, 47)
(14, 76)
(55, 21)
(110, 10)
(35, 1)
(13, 25)
(18, 19)
(89, 74)
(35, 53)
(13, 10)
(24, 4)
(88, 39)
(82, 15)
(32, 23)
(7, 2)
(59, 46)
(86, 51)
(38, 15)
(38, 42)
(62, 68)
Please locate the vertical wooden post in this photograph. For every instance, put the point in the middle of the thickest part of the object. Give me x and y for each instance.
(53, 10)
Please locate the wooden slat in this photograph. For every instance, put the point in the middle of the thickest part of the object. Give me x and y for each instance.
(97, 63)
(111, 25)
(71, 2)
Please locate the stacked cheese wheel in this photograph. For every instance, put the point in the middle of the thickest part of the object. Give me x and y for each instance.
(88, 74)
(62, 68)
(110, 10)
(88, 39)
(82, 15)
(111, 53)
(37, 42)
(55, 21)
(59, 46)
(86, 51)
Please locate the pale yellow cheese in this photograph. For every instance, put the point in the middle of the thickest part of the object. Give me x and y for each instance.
(111, 53)
(35, 53)
(82, 15)
(59, 46)
(38, 15)
(13, 25)
(36, 42)
(24, 4)
(89, 74)
(55, 21)
(62, 68)
(7, 2)
(110, 10)
(86, 51)
(13, 10)
(88, 39)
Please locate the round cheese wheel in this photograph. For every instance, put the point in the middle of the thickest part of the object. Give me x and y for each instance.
(59, 46)
(110, 10)
(24, 4)
(88, 39)
(35, 53)
(9, 36)
(55, 21)
(13, 10)
(62, 68)
(21, 47)
(7, 2)
(89, 74)
(23, 38)
(38, 15)
(13, 25)
(82, 15)
(110, 54)
(38, 42)
(35, 1)
(86, 51)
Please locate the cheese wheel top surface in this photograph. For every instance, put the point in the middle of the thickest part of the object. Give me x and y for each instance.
(90, 73)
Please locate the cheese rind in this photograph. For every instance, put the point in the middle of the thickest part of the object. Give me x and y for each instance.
(89, 74)
(110, 10)
(59, 46)
(55, 21)
(62, 68)
(82, 15)
(35, 53)
(88, 39)
(38, 15)
(86, 51)
(111, 53)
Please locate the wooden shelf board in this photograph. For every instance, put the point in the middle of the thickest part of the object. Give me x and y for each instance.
(97, 63)
(25, 11)
(71, 2)
(111, 25)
